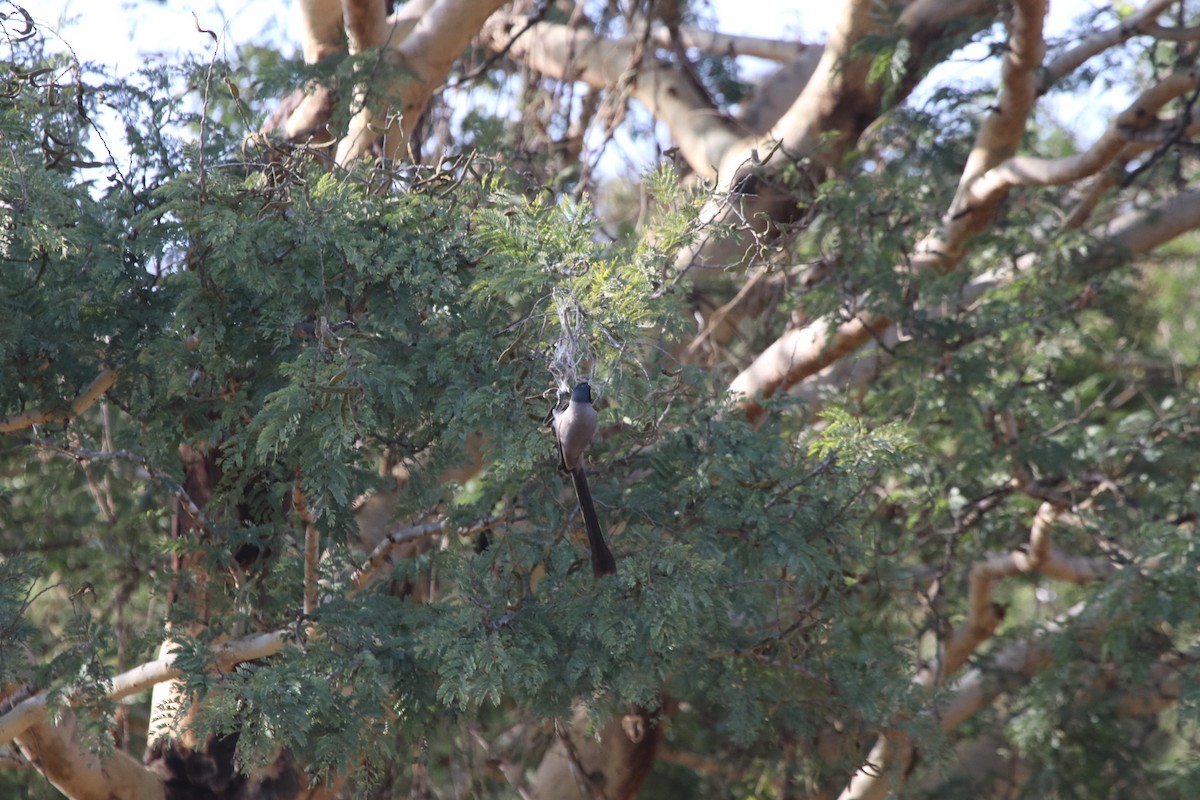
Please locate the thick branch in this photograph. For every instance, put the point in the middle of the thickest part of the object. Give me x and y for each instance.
(366, 24)
(321, 21)
(703, 134)
(723, 44)
(1003, 128)
(1143, 230)
(80, 773)
(837, 104)
(1141, 115)
(775, 93)
(85, 400)
(983, 618)
(802, 352)
(312, 549)
(850, 376)
(1133, 25)
(381, 555)
(1113, 147)
(428, 52)
(31, 709)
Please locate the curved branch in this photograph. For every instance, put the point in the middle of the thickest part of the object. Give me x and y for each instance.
(1141, 115)
(775, 93)
(427, 51)
(1002, 129)
(1139, 23)
(838, 102)
(321, 23)
(1126, 137)
(1143, 230)
(366, 24)
(803, 352)
(704, 135)
(723, 44)
(81, 773)
(85, 399)
(28, 711)
(984, 616)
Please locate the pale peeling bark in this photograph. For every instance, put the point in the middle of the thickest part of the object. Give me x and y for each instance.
(888, 764)
(830, 113)
(32, 709)
(80, 774)
(1001, 132)
(58, 414)
(422, 40)
(723, 44)
(805, 351)
(427, 52)
(321, 22)
(1139, 22)
(776, 93)
(838, 99)
(366, 29)
(366, 24)
(702, 132)
(1140, 116)
(168, 705)
(815, 132)
(1146, 229)
(852, 376)
(891, 758)
(1113, 147)
(577, 767)
(55, 749)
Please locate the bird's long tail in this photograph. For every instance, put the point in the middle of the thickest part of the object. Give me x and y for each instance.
(603, 562)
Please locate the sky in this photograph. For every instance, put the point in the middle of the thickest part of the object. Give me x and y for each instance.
(127, 33)
(131, 29)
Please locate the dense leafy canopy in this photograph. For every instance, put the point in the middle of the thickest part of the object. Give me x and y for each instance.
(326, 334)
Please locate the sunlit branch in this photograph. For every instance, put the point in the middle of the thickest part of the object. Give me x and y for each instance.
(79, 771)
(1004, 126)
(381, 555)
(724, 44)
(82, 402)
(426, 53)
(321, 25)
(312, 548)
(702, 132)
(228, 655)
(1135, 24)
(805, 351)
(1139, 116)
(984, 616)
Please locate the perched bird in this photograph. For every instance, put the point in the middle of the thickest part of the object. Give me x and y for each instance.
(574, 428)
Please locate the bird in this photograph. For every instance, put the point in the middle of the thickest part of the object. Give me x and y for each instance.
(574, 427)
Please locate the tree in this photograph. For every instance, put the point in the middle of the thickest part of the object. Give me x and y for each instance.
(896, 381)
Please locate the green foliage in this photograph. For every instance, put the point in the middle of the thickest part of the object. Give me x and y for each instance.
(17, 575)
(301, 329)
